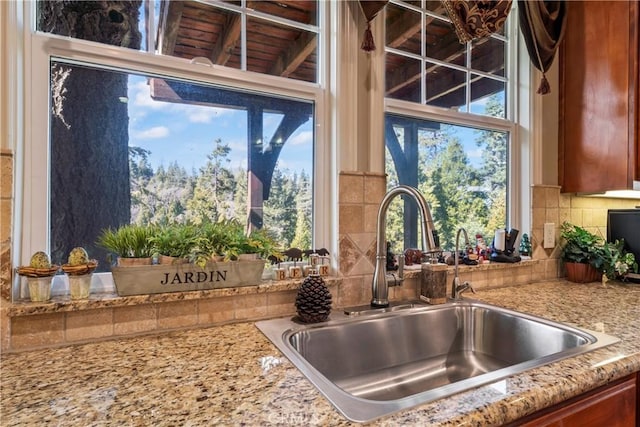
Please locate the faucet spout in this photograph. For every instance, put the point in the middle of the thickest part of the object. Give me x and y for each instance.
(457, 289)
(379, 286)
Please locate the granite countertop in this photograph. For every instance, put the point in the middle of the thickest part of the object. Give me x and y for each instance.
(232, 375)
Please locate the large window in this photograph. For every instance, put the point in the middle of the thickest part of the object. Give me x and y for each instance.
(448, 125)
(212, 132)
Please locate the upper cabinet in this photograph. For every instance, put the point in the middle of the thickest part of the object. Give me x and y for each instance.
(599, 97)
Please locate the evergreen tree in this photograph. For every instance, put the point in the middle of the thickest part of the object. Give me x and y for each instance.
(213, 193)
(303, 204)
(493, 172)
(452, 203)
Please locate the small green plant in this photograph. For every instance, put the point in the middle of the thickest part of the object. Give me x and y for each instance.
(580, 244)
(613, 261)
(128, 241)
(228, 239)
(210, 241)
(174, 240)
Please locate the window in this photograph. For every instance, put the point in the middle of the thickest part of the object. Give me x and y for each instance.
(136, 136)
(277, 38)
(448, 126)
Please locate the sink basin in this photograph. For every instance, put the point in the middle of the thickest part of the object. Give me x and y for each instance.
(370, 366)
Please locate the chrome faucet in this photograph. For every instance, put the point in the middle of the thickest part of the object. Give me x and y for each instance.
(457, 289)
(380, 286)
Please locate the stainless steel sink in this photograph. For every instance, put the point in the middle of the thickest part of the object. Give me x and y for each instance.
(377, 364)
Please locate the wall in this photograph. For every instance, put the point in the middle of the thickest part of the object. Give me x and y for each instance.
(551, 206)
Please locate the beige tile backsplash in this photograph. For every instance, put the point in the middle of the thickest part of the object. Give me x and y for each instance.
(551, 206)
(359, 197)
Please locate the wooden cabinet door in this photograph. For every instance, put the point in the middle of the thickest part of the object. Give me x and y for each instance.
(599, 97)
(610, 406)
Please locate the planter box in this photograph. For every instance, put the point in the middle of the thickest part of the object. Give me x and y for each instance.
(155, 279)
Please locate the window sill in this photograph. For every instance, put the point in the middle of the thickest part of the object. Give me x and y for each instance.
(62, 303)
(411, 272)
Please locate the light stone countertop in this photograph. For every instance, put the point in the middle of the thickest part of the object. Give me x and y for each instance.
(232, 375)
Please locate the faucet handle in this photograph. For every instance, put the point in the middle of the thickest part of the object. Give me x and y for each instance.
(460, 289)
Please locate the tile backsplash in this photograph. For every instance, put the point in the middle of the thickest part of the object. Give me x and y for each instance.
(548, 205)
(359, 197)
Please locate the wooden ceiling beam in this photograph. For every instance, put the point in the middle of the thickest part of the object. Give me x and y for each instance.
(403, 28)
(171, 14)
(290, 59)
(227, 40)
(405, 25)
(450, 49)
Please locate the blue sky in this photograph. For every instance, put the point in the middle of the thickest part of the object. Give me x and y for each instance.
(187, 133)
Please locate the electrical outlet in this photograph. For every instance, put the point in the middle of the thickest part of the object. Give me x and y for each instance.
(549, 240)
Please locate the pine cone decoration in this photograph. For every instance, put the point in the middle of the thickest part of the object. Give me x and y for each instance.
(313, 301)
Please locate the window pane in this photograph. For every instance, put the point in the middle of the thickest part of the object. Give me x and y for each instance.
(127, 148)
(403, 78)
(305, 11)
(445, 87)
(403, 29)
(190, 29)
(442, 43)
(488, 55)
(281, 50)
(453, 75)
(112, 23)
(488, 96)
(461, 171)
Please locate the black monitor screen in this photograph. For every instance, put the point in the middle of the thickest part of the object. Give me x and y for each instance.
(625, 224)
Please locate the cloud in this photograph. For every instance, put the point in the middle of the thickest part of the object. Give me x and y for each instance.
(475, 154)
(152, 133)
(302, 138)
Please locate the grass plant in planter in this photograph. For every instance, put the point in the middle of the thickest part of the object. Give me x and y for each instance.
(130, 243)
(211, 244)
(227, 241)
(173, 243)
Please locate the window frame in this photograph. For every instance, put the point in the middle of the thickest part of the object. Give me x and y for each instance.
(31, 208)
(515, 122)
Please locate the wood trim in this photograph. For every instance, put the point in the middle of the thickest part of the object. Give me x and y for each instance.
(582, 408)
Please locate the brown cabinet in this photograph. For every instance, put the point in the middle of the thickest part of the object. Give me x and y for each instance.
(599, 97)
(613, 405)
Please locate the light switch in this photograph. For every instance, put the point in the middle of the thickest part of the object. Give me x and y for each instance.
(549, 240)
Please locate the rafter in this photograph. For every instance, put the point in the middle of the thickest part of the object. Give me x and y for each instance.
(290, 60)
(227, 40)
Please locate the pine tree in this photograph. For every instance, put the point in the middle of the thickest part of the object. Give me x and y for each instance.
(213, 193)
(302, 238)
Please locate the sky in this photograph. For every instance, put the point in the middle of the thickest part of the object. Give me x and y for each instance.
(187, 133)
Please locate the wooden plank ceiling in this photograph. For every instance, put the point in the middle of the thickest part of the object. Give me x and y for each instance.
(190, 29)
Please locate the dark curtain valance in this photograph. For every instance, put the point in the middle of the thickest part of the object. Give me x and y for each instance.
(473, 19)
(370, 10)
(542, 25)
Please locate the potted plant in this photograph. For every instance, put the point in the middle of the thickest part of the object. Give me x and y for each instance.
(614, 261)
(131, 244)
(173, 243)
(587, 256)
(79, 268)
(579, 252)
(39, 273)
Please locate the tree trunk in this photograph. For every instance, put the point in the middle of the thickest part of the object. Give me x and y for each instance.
(89, 127)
